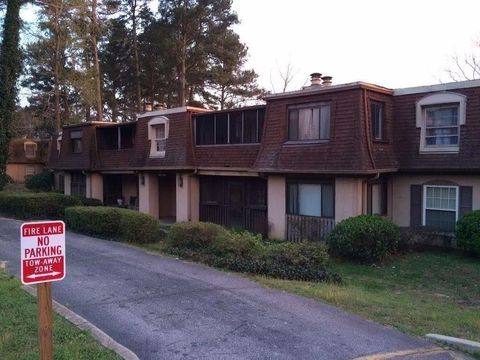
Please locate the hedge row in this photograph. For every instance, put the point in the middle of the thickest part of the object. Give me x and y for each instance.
(113, 223)
(246, 252)
(35, 206)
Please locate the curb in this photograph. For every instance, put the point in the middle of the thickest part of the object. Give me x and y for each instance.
(84, 324)
(462, 344)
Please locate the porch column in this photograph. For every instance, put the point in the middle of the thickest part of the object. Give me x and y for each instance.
(276, 201)
(348, 198)
(188, 198)
(96, 186)
(67, 181)
(148, 194)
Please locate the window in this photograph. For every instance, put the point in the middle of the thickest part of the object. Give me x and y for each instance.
(377, 119)
(377, 198)
(235, 127)
(30, 149)
(440, 207)
(439, 117)
(310, 199)
(441, 126)
(76, 138)
(29, 171)
(59, 143)
(79, 184)
(158, 129)
(309, 123)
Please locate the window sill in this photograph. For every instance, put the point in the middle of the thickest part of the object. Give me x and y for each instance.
(440, 150)
(157, 155)
(380, 141)
(306, 142)
(223, 145)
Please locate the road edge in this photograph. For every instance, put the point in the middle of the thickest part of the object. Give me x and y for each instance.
(84, 324)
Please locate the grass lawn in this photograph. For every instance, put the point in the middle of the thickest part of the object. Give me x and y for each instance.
(417, 293)
(18, 329)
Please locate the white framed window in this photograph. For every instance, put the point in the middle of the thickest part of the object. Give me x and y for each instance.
(30, 149)
(440, 207)
(158, 129)
(440, 116)
(29, 170)
(377, 119)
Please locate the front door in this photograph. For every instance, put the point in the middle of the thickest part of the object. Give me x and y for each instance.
(236, 203)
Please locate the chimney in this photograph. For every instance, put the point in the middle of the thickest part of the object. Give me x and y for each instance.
(160, 106)
(327, 80)
(316, 79)
(148, 106)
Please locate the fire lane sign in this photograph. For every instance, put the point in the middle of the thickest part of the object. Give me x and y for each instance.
(43, 251)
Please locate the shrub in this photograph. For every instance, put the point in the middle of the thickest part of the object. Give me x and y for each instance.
(194, 235)
(4, 180)
(88, 201)
(36, 205)
(304, 254)
(40, 182)
(468, 232)
(364, 238)
(237, 244)
(113, 223)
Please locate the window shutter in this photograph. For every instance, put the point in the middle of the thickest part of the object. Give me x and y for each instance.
(465, 201)
(415, 205)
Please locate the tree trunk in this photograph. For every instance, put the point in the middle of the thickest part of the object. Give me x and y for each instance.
(98, 83)
(57, 11)
(182, 83)
(135, 53)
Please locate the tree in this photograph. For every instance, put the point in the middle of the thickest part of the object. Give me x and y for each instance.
(10, 65)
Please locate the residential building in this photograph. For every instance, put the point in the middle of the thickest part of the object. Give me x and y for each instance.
(26, 157)
(291, 168)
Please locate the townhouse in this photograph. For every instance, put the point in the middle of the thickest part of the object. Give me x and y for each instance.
(291, 168)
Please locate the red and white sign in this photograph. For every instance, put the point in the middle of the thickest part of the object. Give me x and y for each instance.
(43, 251)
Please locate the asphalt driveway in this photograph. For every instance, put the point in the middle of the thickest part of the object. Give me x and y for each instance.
(163, 308)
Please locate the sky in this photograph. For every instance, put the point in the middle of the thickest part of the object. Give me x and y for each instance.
(390, 43)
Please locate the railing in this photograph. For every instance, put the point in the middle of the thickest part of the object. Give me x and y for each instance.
(311, 228)
(252, 219)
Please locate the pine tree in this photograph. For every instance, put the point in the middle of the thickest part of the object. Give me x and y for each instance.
(10, 65)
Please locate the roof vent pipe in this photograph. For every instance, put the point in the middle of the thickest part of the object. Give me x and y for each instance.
(316, 79)
(327, 80)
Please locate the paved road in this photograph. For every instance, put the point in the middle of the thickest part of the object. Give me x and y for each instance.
(162, 308)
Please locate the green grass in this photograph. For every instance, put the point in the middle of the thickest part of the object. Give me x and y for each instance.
(18, 329)
(417, 293)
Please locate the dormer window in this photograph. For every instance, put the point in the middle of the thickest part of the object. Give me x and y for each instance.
(76, 140)
(30, 149)
(439, 118)
(309, 122)
(158, 134)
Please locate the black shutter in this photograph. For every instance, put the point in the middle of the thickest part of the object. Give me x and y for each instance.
(465, 201)
(415, 205)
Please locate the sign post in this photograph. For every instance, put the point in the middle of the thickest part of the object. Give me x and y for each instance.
(43, 261)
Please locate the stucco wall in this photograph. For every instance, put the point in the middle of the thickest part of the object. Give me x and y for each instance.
(96, 183)
(276, 201)
(17, 171)
(148, 194)
(401, 192)
(349, 198)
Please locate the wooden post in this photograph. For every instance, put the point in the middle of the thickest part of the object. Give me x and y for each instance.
(45, 320)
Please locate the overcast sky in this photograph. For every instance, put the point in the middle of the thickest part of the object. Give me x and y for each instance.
(391, 43)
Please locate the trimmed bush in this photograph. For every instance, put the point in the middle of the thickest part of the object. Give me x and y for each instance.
(36, 205)
(113, 223)
(40, 182)
(364, 238)
(248, 253)
(194, 235)
(237, 244)
(89, 201)
(468, 232)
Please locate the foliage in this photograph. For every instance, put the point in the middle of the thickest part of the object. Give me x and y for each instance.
(247, 252)
(89, 201)
(10, 65)
(36, 205)
(364, 238)
(40, 182)
(20, 329)
(468, 232)
(113, 223)
(194, 235)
